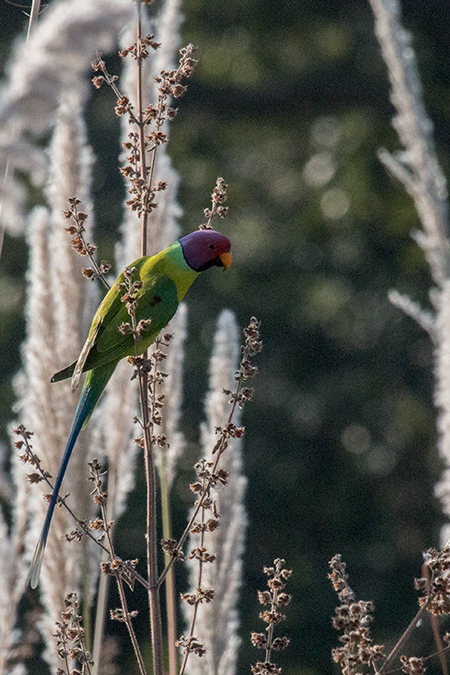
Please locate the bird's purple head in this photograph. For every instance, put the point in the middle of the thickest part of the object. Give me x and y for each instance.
(203, 249)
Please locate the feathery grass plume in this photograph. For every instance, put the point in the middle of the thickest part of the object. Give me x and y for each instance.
(13, 567)
(60, 304)
(418, 169)
(416, 166)
(56, 56)
(217, 621)
(75, 299)
(442, 398)
(38, 402)
(71, 161)
(8, 601)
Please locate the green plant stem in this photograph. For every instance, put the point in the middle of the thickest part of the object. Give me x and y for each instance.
(170, 579)
(103, 586)
(152, 564)
(100, 619)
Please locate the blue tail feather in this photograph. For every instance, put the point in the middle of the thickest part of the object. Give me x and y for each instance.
(90, 394)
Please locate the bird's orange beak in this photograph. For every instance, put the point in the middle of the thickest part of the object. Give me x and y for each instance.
(226, 259)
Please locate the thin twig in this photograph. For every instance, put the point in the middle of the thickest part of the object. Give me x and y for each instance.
(134, 641)
(171, 608)
(403, 638)
(81, 246)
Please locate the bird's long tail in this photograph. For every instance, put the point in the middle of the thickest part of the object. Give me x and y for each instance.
(96, 381)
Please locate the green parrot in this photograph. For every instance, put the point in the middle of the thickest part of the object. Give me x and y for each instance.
(165, 278)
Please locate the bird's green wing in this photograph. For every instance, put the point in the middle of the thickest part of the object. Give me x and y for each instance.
(106, 311)
(156, 301)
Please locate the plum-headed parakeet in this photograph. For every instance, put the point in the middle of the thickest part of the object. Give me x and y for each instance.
(165, 278)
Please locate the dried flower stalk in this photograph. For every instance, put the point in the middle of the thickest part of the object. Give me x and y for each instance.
(275, 598)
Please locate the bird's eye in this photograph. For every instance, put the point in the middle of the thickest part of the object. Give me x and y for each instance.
(212, 247)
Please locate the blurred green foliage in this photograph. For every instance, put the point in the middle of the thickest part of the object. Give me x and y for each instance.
(290, 103)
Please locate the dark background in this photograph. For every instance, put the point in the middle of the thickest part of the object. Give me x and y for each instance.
(340, 450)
